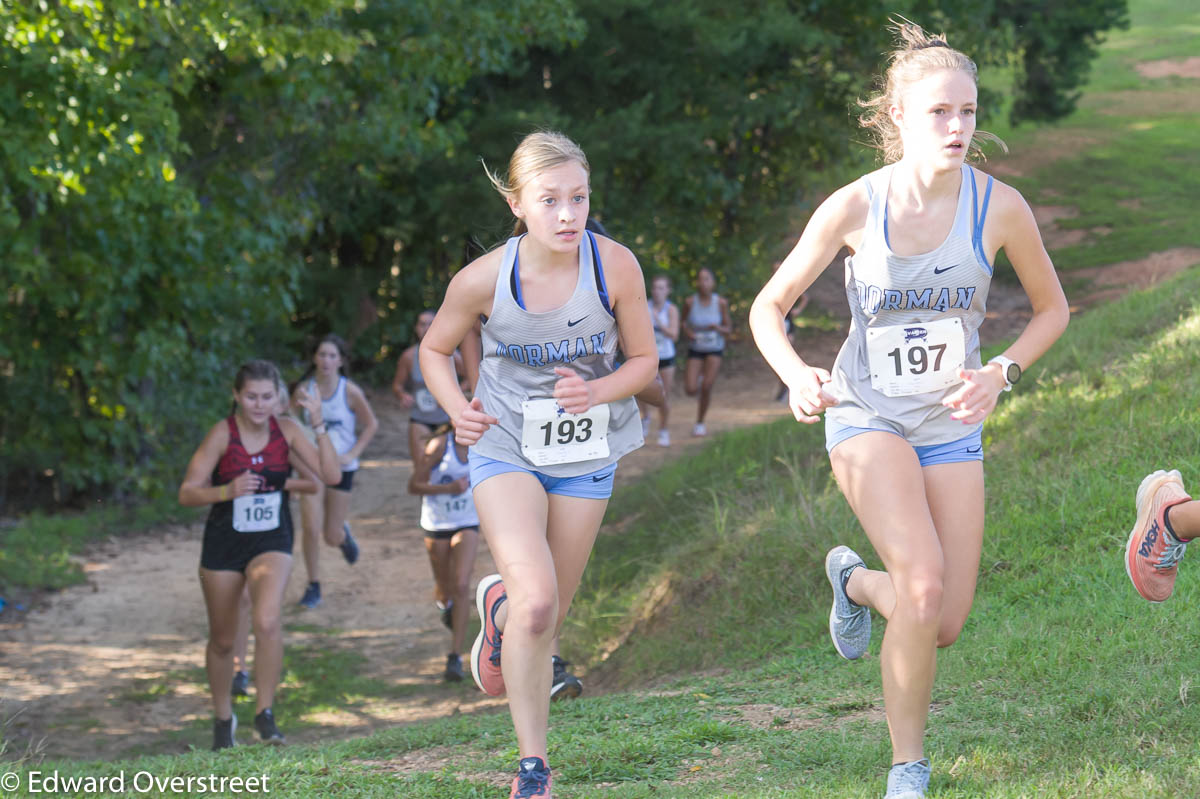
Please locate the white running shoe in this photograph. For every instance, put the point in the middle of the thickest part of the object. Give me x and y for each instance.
(664, 437)
(699, 429)
(908, 780)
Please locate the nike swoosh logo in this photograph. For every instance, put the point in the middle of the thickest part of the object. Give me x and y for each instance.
(937, 271)
(601, 478)
(973, 451)
(577, 321)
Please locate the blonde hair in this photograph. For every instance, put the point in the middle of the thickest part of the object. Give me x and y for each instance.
(917, 55)
(537, 152)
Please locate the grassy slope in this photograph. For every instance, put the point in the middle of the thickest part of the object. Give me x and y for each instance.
(1064, 683)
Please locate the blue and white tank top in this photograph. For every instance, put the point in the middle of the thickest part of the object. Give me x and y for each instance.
(703, 316)
(425, 408)
(339, 420)
(521, 349)
(440, 512)
(906, 293)
(662, 319)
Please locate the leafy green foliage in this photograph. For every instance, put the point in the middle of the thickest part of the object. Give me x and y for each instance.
(185, 186)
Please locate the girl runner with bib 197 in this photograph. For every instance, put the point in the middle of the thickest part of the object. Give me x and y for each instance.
(908, 393)
(241, 469)
(549, 419)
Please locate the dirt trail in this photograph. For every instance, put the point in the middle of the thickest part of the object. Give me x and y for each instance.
(111, 668)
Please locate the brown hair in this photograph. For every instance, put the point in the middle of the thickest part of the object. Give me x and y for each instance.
(537, 152)
(256, 370)
(917, 55)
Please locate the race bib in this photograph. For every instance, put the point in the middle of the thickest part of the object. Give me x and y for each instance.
(456, 504)
(916, 358)
(550, 435)
(257, 513)
(425, 401)
(708, 340)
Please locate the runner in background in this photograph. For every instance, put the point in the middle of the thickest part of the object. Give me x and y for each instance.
(665, 316)
(549, 419)
(908, 393)
(241, 470)
(442, 477)
(706, 323)
(342, 405)
(409, 387)
(306, 483)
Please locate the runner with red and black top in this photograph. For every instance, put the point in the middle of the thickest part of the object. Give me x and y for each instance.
(241, 469)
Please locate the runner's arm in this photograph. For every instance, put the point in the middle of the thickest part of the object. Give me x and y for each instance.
(197, 488)
(362, 409)
(403, 370)
(321, 459)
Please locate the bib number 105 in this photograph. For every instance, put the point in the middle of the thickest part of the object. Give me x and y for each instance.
(567, 431)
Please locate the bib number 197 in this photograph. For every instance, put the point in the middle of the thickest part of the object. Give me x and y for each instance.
(916, 358)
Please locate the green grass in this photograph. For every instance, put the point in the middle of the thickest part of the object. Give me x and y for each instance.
(1064, 684)
(1127, 162)
(36, 553)
(706, 591)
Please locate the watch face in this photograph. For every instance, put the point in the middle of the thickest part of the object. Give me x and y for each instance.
(1013, 373)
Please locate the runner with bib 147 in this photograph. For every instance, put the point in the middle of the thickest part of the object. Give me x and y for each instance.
(549, 420)
(906, 400)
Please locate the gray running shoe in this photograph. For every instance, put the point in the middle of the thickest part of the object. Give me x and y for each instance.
(241, 684)
(908, 780)
(849, 624)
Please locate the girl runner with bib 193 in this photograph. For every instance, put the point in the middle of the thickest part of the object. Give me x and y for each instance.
(908, 393)
(549, 419)
(241, 469)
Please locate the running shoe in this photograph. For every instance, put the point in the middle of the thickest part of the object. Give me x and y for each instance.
(223, 733)
(446, 610)
(849, 624)
(241, 683)
(312, 596)
(699, 429)
(908, 780)
(454, 669)
(264, 722)
(348, 546)
(485, 654)
(532, 780)
(1153, 553)
(664, 437)
(564, 685)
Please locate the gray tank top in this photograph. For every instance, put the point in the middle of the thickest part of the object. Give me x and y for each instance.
(521, 349)
(664, 343)
(702, 316)
(425, 408)
(885, 289)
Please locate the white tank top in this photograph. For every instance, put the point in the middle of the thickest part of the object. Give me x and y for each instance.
(664, 343)
(703, 316)
(339, 420)
(441, 512)
(910, 293)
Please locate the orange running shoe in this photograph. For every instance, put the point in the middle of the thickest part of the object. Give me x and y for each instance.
(532, 780)
(1153, 553)
(485, 654)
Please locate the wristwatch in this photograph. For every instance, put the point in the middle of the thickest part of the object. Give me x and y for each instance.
(1010, 369)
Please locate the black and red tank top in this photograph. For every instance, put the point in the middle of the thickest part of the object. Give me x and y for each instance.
(271, 462)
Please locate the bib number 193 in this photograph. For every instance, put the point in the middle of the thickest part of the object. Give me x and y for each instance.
(550, 435)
